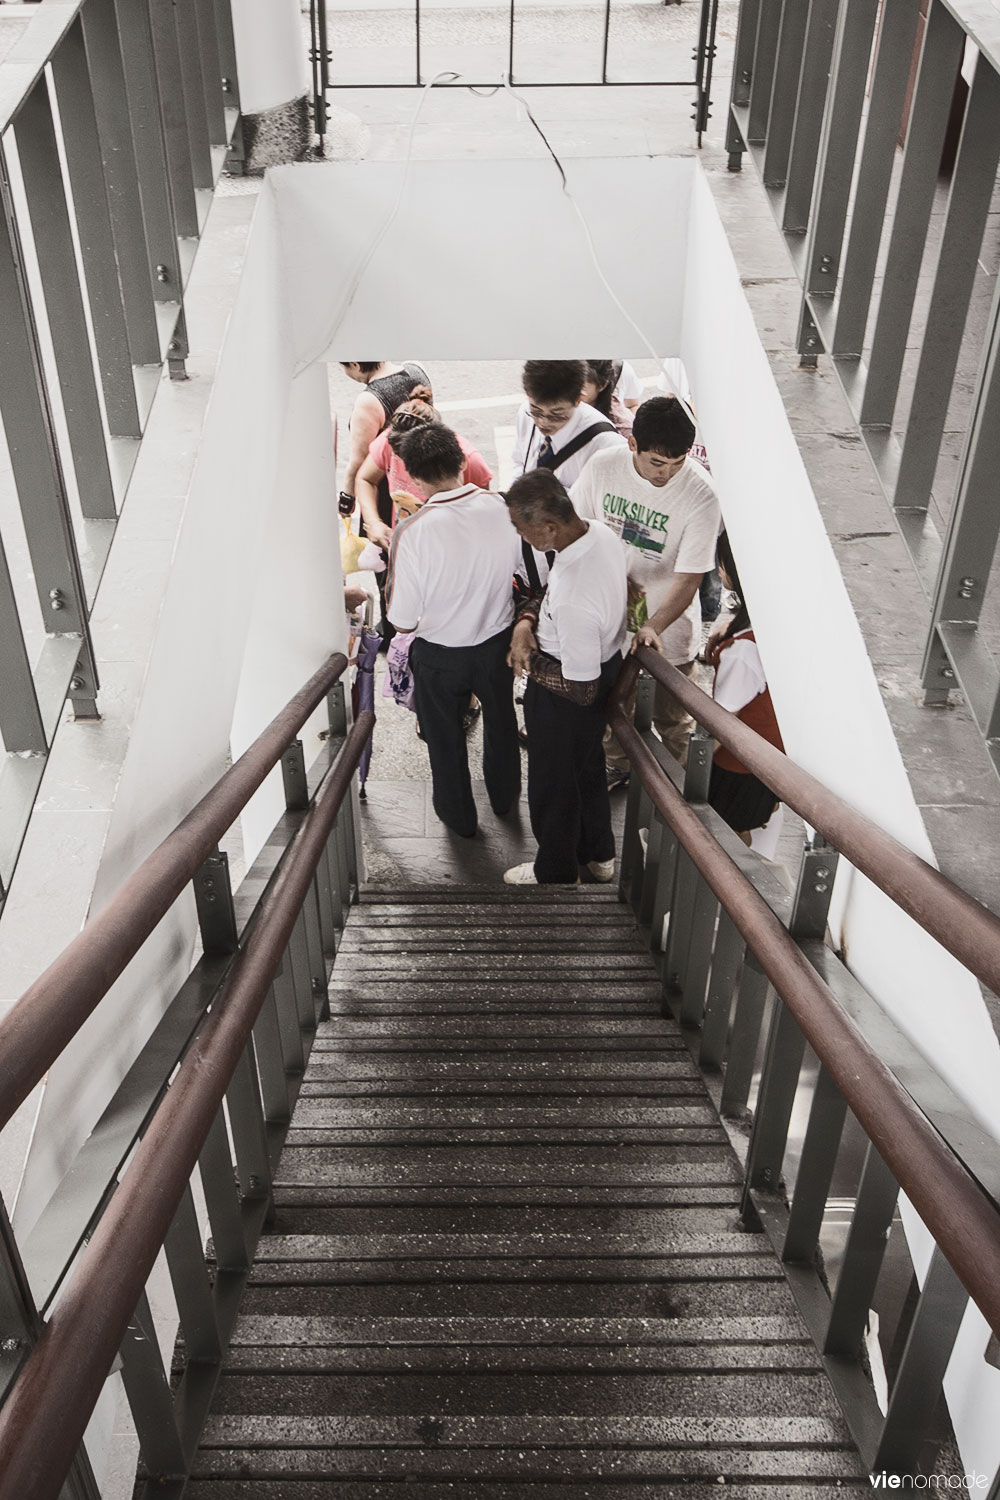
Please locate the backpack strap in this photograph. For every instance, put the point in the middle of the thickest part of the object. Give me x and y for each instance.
(580, 441)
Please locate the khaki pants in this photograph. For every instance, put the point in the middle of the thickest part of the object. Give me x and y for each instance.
(671, 721)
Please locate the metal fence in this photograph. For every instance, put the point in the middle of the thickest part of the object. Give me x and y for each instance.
(864, 116)
(703, 56)
(778, 1024)
(115, 121)
(210, 1093)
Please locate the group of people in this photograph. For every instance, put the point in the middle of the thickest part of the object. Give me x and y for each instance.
(606, 532)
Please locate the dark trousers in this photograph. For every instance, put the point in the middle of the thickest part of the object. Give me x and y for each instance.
(567, 786)
(443, 678)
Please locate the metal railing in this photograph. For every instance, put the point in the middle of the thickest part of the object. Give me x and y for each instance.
(115, 120)
(322, 56)
(823, 93)
(212, 1089)
(733, 936)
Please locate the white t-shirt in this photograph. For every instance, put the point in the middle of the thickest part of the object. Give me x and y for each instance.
(451, 566)
(528, 440)
(582, 620)
(665, 529)
(629, 386)
(739, 677)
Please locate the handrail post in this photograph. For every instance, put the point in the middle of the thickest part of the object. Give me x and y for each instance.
(213, 896)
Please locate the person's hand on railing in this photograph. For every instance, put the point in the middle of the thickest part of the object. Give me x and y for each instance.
(646, 636)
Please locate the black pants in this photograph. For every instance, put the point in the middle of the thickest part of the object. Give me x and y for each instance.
(567, 785)
(443, 678)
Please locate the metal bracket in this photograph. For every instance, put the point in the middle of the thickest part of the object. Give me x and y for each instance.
(698, 771)
(178, 350)
(213, 895)
(293, 775)
(337, 709)
(83, 687)
(644, 691)
(811, 906)
(809, 343)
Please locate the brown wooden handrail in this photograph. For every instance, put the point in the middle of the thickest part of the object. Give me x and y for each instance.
(957, 920)
(963, 1219)
(44, 1418)
(50, 1013)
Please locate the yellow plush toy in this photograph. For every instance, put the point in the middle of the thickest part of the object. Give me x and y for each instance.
(351, 548)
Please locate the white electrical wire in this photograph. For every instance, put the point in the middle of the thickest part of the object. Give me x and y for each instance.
(348, 300)
(583, 223)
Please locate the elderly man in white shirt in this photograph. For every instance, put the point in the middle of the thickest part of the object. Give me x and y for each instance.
(569, 642)
(451, 567)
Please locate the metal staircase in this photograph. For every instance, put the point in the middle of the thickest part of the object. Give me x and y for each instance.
(506, 1255)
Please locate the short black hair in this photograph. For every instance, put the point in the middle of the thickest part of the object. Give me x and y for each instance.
(432, 453)
(662, 425)
(554, 379)
(540, 496)
(365, 368)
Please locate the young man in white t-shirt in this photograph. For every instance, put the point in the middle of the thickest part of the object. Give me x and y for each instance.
(569, 642)
(663, 506)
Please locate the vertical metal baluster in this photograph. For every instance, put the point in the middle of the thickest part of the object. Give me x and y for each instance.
(815, 1173)
(286, 1004)
(862, 1261)
(147, 1386)
(810, 110)
(968, 208)
(630, 864)
(34, 454)
(81, 144)
(743, 61)
(297, 957)
(21, 725)
(698, 962)
(751, 999)
(107, 74)
(696, 925)
(663, 890)
(175, 125)
(246, 1121)
(726, 960)
(657, 838)
(890, 75)
(143, 94)
(48, 210)
(917, 1387)
(784, 92)
(778, 1085)
(765, 51)
(222, 1199)
(330, 919)
(940, 59)
(211, 72)
(270, 1054)
(973, 529)
(189, 46)
(185, 1253)
(838, 145)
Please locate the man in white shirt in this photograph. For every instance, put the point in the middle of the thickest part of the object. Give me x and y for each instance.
(569, 642)
(451, 566)
(664, 508)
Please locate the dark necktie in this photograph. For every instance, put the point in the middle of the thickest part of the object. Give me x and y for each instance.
(546, 453)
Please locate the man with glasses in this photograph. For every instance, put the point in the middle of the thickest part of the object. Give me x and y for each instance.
(555, 428)
(664, 508)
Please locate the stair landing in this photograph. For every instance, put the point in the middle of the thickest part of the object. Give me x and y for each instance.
(507, 1259)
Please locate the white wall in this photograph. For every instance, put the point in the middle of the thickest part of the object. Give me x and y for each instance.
(833, 722)
(485, 259)
(297, 614)
(270, 53)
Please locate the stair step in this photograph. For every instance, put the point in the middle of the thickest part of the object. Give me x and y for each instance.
(609, 1355)
(643, 1224)
(332, 1032)
(500, 962)
(547, 1062)
(591, 1489)
(572, 1114)
(473, 993)
(468, 1395)
(498, 1194)
(740, 1297)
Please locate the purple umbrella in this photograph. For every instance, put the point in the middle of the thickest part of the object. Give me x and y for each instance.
(363, 692)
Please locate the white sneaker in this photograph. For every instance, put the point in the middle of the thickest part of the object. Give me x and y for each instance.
(525, 875)
(602, 869)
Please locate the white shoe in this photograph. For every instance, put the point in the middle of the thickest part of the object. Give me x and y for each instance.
(525, 875)
(602, 869)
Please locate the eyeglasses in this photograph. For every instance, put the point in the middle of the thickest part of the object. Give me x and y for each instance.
(550, 413)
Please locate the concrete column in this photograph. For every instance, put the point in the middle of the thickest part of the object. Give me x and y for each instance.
(272, 56)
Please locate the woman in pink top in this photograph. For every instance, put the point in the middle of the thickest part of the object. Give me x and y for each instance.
(384, 460)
